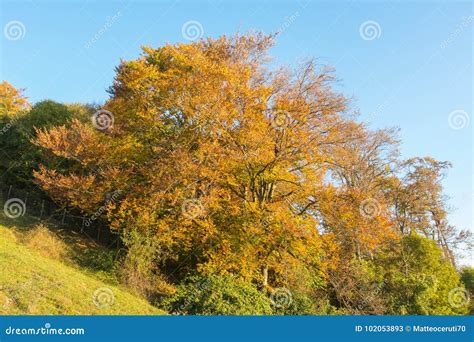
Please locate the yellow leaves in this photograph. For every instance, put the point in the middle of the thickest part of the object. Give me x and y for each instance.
(198, 123)
(354, 222)
(77, 189)
(72, 142)
(12, 100)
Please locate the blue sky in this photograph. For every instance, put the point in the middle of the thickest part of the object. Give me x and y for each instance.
(411, 67)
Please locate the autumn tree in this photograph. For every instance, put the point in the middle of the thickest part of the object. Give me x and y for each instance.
(20, 156)
(12, 100)
(13, 105)
(226, 167)
(216, 156)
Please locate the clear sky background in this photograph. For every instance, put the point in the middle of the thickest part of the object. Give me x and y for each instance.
(404, 63)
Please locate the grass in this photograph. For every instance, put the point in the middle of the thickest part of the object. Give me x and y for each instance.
(46, 271)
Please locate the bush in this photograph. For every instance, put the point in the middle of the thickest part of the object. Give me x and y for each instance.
(357, 287)
(301, 304)
(139, 269)
(467, 278)
(421, 282)
(218, 295)
(16, 141)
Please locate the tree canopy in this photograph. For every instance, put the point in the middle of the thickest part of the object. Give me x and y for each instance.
(227, 167)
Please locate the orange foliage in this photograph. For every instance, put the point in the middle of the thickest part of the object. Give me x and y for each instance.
(224, 163)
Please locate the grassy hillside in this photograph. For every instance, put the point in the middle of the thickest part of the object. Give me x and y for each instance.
(45, 272)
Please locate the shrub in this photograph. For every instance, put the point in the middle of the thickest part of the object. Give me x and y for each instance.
(218, 295)
(357, 287)
(421, 282)
(16, 142)
(300, 304)
(467, 278)
(138, 269)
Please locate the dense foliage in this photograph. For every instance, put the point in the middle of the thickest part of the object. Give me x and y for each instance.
(467, 277)
(218, 295)
(258, 180)
(20, 156)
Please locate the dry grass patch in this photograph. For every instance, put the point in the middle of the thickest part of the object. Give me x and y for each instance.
(46, 242)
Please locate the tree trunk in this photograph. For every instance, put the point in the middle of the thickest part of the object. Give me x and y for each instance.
(265, 276)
